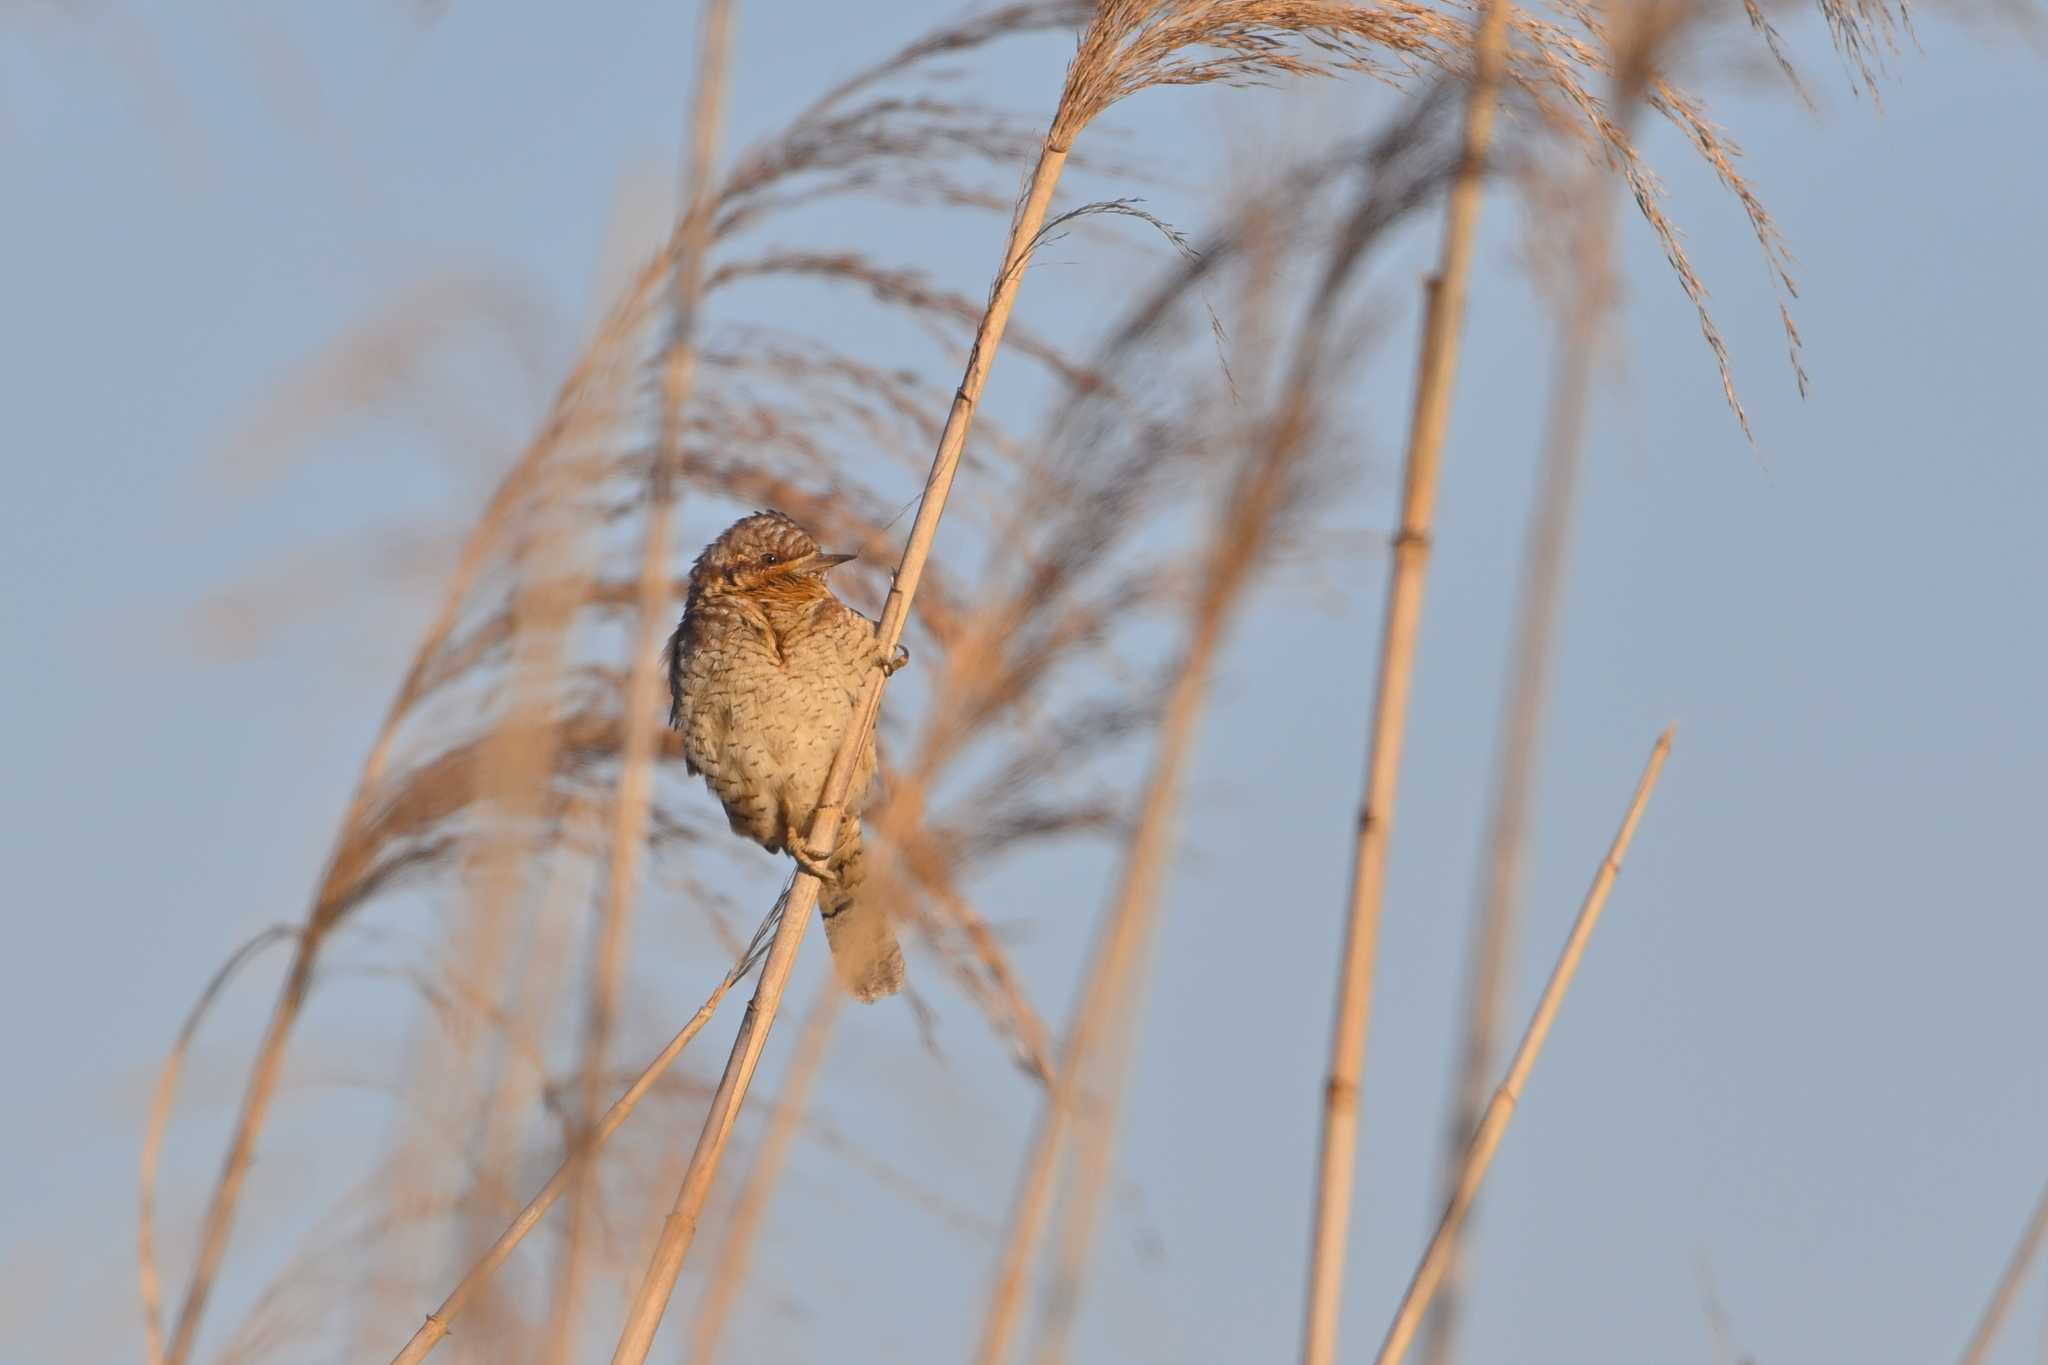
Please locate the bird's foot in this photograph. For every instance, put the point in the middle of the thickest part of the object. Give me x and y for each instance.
(890, 663)
(794, 844)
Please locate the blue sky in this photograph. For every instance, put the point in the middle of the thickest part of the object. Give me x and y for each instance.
(1805, 1044)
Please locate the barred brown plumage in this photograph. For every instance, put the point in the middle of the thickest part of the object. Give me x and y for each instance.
(765, 669)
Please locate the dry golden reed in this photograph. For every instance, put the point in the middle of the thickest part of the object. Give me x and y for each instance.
(519, 759)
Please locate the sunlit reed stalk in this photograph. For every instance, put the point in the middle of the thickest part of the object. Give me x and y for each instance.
(2022, 1259)
(442, 1319)
(1493, 1124)
(736, 1252)
(642, 714)
(1444, 321)
(666, 1263)
(679, 1228)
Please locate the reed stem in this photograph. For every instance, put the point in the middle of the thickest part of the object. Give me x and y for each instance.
(1494, 1123)
(679, 1230)
(1443, 326)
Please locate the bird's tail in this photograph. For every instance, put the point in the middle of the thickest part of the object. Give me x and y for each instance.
(858, 928)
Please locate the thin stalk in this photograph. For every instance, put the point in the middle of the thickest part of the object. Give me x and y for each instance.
(651, 1299)
(642, 708)
(1493, 1125)
(2008, 1289)
(1444, 323)
(442, 1318)
(227, 1190)
(159, 1122)
(736, 1253)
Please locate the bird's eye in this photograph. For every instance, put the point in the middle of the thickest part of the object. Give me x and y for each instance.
(771, 559)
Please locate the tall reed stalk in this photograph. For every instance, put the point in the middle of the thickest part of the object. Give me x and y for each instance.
(666, 1263)
(1443, 324)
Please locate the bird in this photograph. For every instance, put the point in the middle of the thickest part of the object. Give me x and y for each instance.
(765, 672)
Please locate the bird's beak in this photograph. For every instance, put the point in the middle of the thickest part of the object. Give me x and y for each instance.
(823, 563)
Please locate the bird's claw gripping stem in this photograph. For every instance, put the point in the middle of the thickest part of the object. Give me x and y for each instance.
(794, 844)
(890, 663)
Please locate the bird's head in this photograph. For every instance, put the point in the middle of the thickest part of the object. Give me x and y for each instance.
(766, 553)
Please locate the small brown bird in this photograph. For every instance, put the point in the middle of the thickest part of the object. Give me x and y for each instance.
(764, 671)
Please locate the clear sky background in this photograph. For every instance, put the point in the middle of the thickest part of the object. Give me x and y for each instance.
(1807, 1043)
